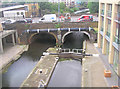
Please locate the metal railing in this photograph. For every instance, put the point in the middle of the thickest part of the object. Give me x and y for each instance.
(116, 40)
(109, 13)
(71, 50)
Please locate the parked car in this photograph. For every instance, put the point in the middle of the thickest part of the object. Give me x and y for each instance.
(85, 18)
(48, 18)
(8, 21)
(21, 21)
(29, 20)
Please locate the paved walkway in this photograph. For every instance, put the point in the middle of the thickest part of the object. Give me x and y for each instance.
(11, 53)
(93, 69)
(114, 79)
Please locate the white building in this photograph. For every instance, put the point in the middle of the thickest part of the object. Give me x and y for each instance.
(14, 13)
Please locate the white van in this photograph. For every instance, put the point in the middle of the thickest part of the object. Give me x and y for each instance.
(48, 18)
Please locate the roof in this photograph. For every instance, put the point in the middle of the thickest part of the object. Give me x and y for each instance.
(12, 7)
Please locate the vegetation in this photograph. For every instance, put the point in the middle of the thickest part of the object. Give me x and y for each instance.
(57, 25)
(96, 30)
(93, 7)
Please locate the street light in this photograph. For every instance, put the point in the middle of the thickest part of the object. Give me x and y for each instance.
(58, 10)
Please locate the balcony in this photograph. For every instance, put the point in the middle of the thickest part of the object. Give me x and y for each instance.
(116, 40)
(117, 17)
(102, 12)
(108, 34)
(109, 13)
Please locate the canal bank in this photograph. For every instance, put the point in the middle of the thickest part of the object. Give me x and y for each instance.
(11, 54)
(20, 69)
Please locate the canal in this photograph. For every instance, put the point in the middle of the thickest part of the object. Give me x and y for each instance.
(66, 73)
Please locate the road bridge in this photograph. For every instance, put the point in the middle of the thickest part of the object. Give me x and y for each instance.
(59, 34)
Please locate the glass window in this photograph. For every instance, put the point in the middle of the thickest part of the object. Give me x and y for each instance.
(102, 24)
(17, 13)
(118, 9)
(110, 7)
(108, 28)
(107, 48)
(116, 59)
(101, 41)
(103, 6)
(102, 21)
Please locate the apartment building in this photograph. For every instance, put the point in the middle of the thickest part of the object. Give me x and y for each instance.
(109, 32)
(33, 9)
(68, 3)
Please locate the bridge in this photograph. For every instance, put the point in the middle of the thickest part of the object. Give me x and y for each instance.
(59, 34)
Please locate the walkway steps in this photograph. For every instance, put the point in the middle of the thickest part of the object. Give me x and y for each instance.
(40, 75)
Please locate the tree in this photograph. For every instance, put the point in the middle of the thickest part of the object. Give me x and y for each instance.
(71, 10)
(93, 7)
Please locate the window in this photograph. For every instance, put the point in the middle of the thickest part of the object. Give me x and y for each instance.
(17, 13)
(110, 7)
(117, 34)
(103, 6)
(107, 48)
(116, 59)
(26, 8)
(102, 24)
(21, 13)
(101, 41)
(108, 28)
(109, 12)
(33, 7)
(118, 13)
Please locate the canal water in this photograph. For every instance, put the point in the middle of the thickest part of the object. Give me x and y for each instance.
(66, 74)
(20, 69)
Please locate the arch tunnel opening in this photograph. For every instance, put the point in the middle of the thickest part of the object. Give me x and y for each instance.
(74, 40)
(39, 43)
(42, 37)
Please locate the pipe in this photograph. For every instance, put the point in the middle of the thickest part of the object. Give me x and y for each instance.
(52, 30)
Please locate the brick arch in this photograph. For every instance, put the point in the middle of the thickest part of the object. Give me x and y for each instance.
(31, 36)
(67, 33)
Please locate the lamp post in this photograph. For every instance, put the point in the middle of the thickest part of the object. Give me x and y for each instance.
(58, 10)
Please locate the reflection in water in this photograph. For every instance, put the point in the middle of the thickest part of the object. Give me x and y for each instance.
(20, 69)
